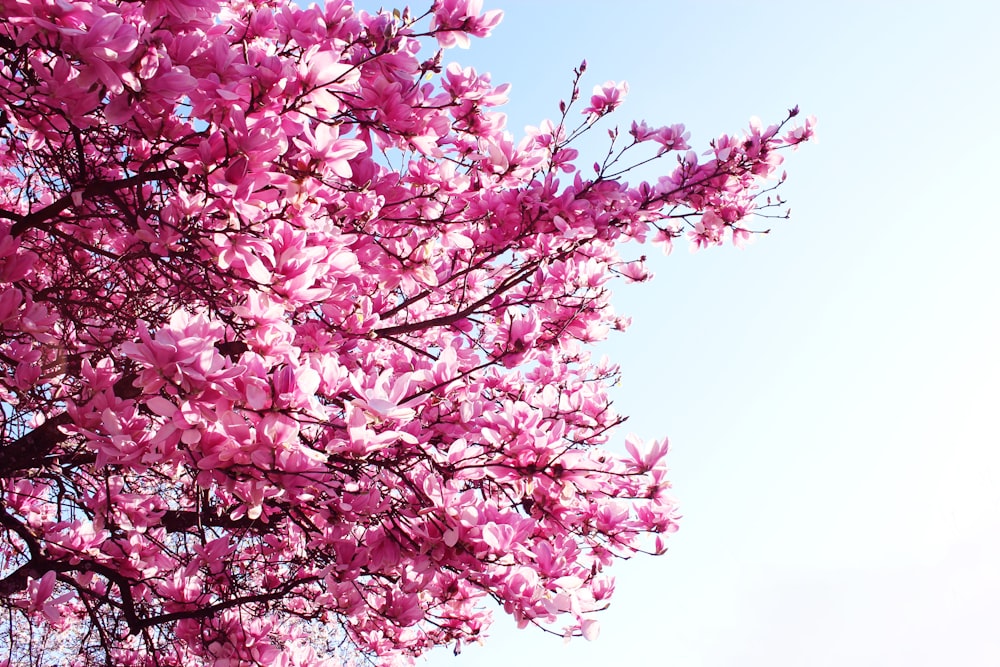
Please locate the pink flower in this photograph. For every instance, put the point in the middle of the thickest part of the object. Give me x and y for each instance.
(802, 133)
(646, 457)
(385, 397)
(455, 20)
(41, 600)
(330, 152)
(606, 98)
(298, 331)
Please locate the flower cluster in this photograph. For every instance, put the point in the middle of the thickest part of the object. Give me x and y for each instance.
(295, 335)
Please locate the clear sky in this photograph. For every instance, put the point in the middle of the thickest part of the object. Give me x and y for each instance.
(831, 391)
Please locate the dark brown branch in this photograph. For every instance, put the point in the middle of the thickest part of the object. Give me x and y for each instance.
(211, 610)
(17, 580)
(36, 219)
(8, 521)
(32, 449)
(445, 320)
(178, 521)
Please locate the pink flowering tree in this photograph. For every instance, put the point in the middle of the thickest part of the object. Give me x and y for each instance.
(294, 334)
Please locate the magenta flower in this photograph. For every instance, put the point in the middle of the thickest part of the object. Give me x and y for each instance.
(296, 334)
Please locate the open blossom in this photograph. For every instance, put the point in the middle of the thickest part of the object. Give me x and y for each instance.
(606, 98)
(708, 231)
(802, 133)
(669, 137)
(456, 20)
(645, 456)
(41, 600)
(296, 334)
(329, 151)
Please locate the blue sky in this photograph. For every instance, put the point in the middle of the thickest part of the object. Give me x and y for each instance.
(830, 392)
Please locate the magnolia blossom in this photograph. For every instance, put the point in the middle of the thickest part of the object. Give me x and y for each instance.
(296, 334)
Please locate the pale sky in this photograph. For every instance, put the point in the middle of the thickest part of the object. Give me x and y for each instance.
(830, 391)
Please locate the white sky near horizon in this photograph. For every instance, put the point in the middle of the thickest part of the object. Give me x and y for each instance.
(830, 391)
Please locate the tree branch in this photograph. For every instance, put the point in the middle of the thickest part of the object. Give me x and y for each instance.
(25, 222)
(178, 521)
(210, 610)
(31, 449)
(17, 580)
(445, 320)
